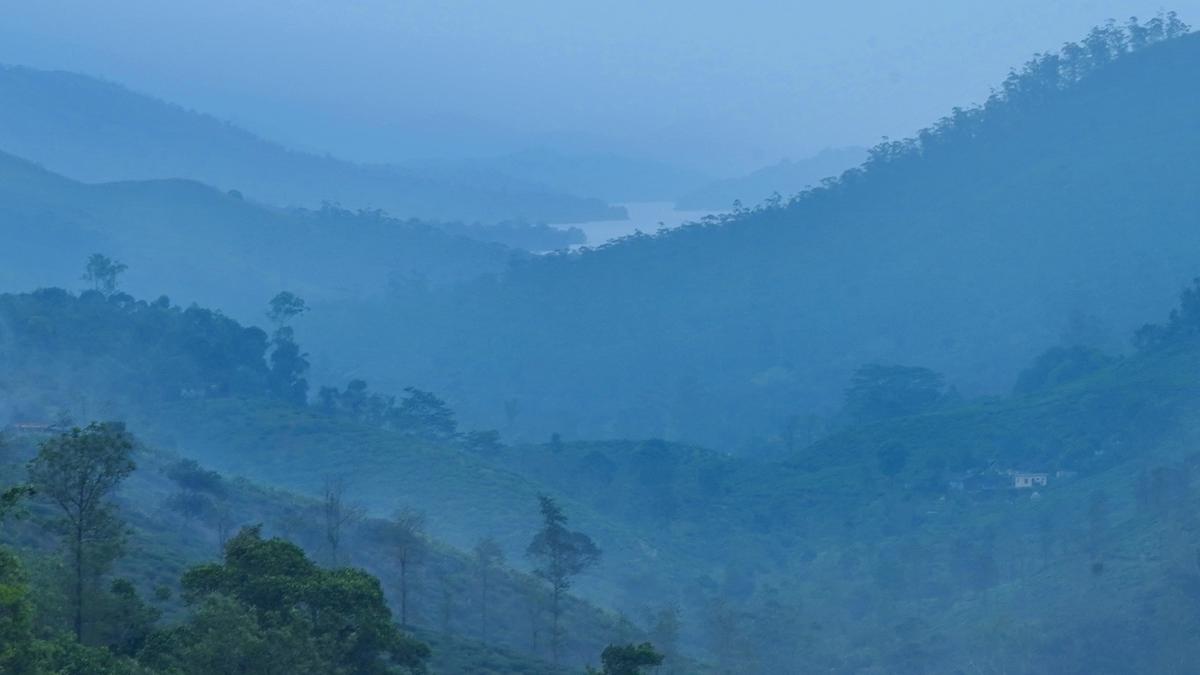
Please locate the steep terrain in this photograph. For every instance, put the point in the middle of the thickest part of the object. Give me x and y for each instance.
(895, 545)
(1062, 212)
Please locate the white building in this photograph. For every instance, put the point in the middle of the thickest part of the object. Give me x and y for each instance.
(1028, 480)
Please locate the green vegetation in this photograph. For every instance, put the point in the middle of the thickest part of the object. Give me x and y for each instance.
(266, 521)
(78, 472)
(560, 555)
(629, 659)
(969, 249)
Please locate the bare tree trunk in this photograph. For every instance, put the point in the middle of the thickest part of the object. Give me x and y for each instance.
(555, 635)
(79, 583)
(404, 591)
(483, 627)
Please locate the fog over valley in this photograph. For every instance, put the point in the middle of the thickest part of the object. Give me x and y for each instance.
(539, 338)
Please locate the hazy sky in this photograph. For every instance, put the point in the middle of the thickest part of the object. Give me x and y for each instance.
(723, 86)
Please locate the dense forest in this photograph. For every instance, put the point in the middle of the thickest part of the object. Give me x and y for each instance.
(935, 415)
(968, 249)
(745, 564)
(153, 521)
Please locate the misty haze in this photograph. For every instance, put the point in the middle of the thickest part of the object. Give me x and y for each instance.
(623, 338)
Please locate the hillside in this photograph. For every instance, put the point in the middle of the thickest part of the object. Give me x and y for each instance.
(1061, 212)
(901, 546)
(872, 546)
(202, 386)
(97, 131)
(201, 245)
(784, 178)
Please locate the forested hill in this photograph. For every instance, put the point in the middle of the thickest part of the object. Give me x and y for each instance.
(94, 131)
(198, 244)
(1062, 210)
(196, 382)
(898, 542)
(785, 177)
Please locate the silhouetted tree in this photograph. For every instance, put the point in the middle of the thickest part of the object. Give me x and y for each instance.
(301, 619)
(404, 535)
(103, 273)
(77, 472)
(337, 514)
(284, 307)
(422, 414)
(560, 554)
(10, 499)
(288, 366)
(628, 659)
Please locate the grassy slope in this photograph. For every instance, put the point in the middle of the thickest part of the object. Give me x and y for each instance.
(162, 545)
(892, 569)
(464, 496)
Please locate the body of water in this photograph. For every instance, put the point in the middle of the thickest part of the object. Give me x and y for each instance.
(648, 217)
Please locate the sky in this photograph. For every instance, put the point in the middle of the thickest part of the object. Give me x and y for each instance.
(723, 87)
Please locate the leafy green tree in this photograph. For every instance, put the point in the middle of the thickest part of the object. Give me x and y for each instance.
(199, 490)
(226, 636)
(16, 618)
(77, 472)
(127, 620)
(10, 499)
(189, 475)
(288, 366)
(284, 307)
(628, 659)
(338, 617)
(560, 555)
(23, 652)
(423, 414)
(103, 273)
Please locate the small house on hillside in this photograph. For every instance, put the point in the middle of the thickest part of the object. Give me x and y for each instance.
(1023, 480)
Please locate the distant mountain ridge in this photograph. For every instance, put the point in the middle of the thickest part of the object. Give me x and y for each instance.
(784, 178)
(96, 131)
(198, 243)
(612, 177)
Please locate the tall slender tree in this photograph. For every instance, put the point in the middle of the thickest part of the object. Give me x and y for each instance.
(78, 472)
(405, 535)
(103, 273)
(560, 555)
(338, 514)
